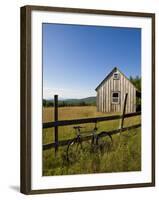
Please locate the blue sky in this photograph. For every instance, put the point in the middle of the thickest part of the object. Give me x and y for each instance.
(77, 58)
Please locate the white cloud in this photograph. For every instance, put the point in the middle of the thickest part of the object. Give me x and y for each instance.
(66, 93)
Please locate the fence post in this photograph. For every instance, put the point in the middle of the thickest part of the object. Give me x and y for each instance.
(123, 114)
(56, 119)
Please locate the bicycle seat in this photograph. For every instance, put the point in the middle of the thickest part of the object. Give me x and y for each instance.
(78, 127)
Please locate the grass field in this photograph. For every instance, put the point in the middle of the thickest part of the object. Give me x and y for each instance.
(124, 155)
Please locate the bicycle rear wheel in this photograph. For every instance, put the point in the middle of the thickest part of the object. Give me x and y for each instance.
(74, 150)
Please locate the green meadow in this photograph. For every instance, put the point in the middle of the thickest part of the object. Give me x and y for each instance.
(124, 154)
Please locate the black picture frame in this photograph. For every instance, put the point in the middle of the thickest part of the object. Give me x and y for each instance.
(25, 168)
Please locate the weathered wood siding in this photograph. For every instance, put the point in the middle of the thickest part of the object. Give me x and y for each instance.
(121, 85)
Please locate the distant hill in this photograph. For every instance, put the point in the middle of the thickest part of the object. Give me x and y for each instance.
(88, 101)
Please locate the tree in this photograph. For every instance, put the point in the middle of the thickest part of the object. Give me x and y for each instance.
(44, 102)
(136, 82)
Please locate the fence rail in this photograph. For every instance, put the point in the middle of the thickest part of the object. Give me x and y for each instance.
(87, 137)
(87, 120)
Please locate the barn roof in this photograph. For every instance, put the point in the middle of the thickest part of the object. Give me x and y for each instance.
(114, 70)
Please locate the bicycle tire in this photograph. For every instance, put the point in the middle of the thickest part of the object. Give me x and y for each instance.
(105, 143)
(73, 150)
(94, 144)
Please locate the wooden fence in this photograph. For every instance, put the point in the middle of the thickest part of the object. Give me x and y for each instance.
(56, 143)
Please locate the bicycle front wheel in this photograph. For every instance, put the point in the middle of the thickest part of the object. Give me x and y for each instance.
(105, 142)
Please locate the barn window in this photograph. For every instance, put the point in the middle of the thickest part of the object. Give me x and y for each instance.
(115, 97)
(116, 75)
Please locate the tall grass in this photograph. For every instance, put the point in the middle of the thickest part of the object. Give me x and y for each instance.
(124, 155)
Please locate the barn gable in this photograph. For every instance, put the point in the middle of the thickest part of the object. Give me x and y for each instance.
(115, 69)
(111, 92)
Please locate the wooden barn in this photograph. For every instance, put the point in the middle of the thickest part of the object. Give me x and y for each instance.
(111, 93)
